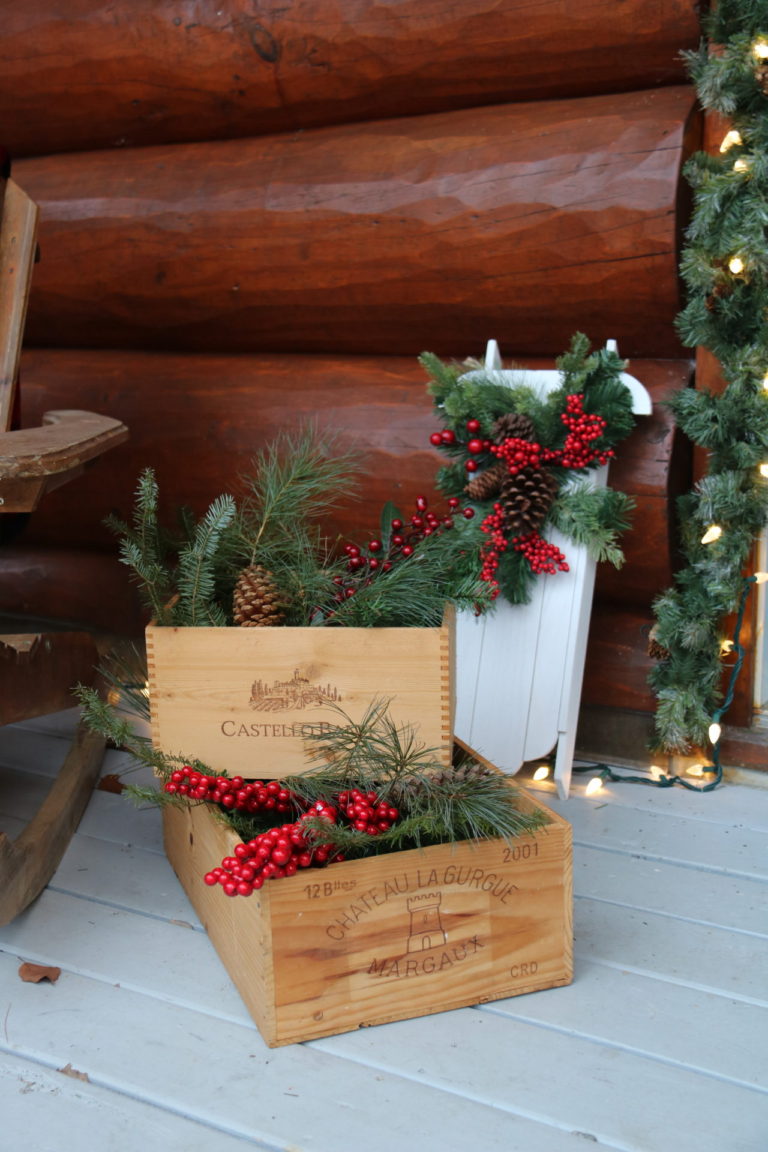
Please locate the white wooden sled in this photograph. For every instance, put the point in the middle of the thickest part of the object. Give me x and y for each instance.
(520, 669)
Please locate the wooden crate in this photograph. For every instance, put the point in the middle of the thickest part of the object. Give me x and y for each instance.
(384, 938)
(243, 699)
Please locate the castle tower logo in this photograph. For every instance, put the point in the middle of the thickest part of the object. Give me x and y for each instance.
(426, 931)
(291, 695)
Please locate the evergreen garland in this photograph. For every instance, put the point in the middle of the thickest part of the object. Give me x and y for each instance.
(725, 269)
(469, 402)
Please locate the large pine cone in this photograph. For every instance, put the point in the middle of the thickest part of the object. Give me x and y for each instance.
(512, 424)
(526, 499)
(487, 484)
(256, 602)
(411, 789)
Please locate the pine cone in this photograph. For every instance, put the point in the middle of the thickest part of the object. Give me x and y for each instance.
(512, 424)
(656, 651)
(256, 602)
(526, 499)
(761, 75)
(456, 776)
(488, 483)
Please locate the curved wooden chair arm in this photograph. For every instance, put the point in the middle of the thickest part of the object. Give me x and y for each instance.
(33, 461)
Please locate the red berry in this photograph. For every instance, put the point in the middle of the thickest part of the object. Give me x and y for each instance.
(473, 425)
(448, 436)
(471, 465)
(436, 439)
(475, 446)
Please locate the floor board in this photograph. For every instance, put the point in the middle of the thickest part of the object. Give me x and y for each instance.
(659, 1045)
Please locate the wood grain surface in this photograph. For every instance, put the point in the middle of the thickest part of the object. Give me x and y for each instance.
(93, 74)
(522, 222)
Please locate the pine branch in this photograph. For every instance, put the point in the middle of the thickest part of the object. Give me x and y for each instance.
(594, 518)
(197, 571)
(142, 548)
(295, 479)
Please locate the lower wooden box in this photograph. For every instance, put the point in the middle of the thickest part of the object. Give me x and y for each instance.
(387, 937)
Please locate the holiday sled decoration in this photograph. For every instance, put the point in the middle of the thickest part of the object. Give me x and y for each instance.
(520, 668)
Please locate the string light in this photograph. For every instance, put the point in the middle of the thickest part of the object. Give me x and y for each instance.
(695, 770)
(741, 165)
(764, 469)
(595, 785)
(715, 732)
(760, 48)
(714, 532)
(726, 647)
(541, 773)
(736, 265)
(730, 139)
(761, 577)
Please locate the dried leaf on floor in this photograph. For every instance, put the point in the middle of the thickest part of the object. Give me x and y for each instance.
(34, 973)
(68, 1070)
(110, 783)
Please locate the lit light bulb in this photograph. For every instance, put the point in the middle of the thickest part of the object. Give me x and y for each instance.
(730, 139)
(736, 265)
(595, 785)
(714, 532)
(541, 773)
(656, 772)
(760, 48)
(761, 577)
(695, 770)
(726, 647)
(714, 732)
(113, 697)
(764, 469)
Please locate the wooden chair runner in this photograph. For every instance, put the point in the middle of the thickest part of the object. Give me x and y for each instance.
(38, 669)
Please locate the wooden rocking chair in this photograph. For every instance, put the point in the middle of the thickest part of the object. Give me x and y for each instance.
(38, 668)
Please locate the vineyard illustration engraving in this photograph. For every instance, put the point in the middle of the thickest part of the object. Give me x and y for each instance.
(291, 695)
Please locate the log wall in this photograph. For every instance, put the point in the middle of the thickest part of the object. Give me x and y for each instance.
(89, 74)
(387, 238)
(251, 215)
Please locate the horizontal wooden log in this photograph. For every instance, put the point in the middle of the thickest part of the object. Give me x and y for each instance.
(96, 75)
(618, 665)
(522, 222)
(198, 421)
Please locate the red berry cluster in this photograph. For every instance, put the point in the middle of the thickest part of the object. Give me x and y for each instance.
(364, 563)
(366, 812)
(540, 554)
(235, 793)
(282, 851)
(519, 454)
(493, 527)
(475, 445)
(584, 428)
(273, 854)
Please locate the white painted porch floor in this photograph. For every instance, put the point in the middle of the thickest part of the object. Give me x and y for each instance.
(659, 1045)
